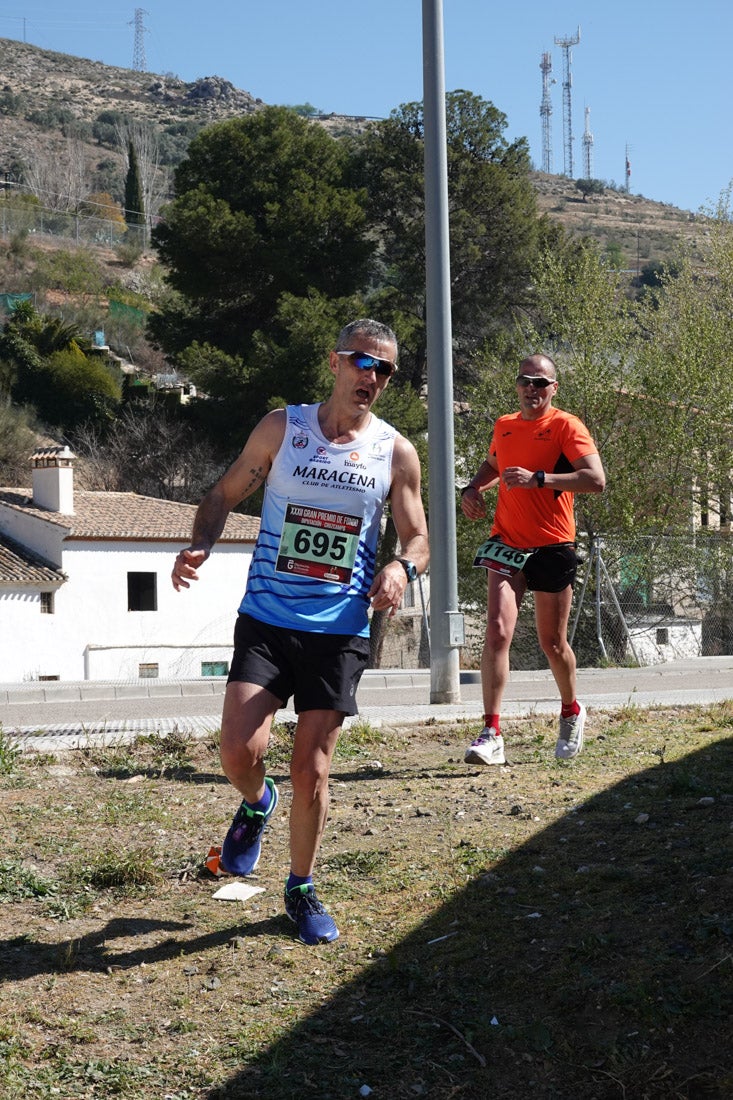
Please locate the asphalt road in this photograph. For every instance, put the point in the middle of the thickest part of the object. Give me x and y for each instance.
(65, 713)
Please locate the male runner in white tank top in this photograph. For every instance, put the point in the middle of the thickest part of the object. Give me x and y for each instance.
(303, 626)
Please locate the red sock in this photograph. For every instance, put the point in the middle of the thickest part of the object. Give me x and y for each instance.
(492, 720)
(569, 709)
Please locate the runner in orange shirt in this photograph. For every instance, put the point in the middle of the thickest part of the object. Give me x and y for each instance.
(539, 458)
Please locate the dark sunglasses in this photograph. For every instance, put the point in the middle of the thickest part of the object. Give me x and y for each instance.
(537, 381)
(362, 361)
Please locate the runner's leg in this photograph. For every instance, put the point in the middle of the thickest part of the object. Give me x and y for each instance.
(245, 734)
(552, 612)
(315, 740)
(503, 600)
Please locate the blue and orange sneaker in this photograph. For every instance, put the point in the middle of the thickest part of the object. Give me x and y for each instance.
(240, 852)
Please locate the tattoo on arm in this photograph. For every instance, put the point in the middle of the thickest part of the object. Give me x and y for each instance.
(257, 476)
(213, 510)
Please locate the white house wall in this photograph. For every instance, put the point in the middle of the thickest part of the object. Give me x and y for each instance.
(682, 638)
(22, 633)
(44, 538)
(92, 635)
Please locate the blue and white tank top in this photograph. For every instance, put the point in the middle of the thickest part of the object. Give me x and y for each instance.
(314, 560)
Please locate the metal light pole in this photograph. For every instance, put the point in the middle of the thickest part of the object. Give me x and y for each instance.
(446, 623)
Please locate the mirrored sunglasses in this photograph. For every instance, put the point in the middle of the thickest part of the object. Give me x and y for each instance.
(535, 380)
(362, 361)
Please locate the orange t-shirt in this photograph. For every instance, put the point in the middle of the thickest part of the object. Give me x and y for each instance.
(537, 517)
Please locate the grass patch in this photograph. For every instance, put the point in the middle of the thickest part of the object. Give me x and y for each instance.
(169, 752)
(358, 739)
(121, 869)
(9, 754)
(534, 930)
(19, 881)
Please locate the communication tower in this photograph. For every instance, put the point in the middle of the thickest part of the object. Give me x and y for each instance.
(627, 170)
(566, 45)
(587, 148)
(546, 111)
(138, 54)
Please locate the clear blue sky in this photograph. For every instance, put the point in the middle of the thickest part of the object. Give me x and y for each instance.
(657, 76)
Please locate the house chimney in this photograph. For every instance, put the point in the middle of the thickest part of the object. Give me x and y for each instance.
(53, 480)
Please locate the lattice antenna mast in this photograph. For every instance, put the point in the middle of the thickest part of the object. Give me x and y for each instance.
(587, 148)
(546, 111)
(566, 45)
(138, 54)
(627, 170)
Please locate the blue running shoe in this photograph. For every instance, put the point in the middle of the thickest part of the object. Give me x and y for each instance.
(306, 911)
(240, 852)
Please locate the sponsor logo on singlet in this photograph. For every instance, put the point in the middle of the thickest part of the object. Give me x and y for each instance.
(348, 479)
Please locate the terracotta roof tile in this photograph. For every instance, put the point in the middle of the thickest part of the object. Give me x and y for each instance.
(128, 516)
(19, 566)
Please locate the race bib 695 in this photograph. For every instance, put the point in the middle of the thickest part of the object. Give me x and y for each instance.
(319, 543)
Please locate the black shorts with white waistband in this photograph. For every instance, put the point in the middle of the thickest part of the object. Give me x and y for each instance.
(320, 671)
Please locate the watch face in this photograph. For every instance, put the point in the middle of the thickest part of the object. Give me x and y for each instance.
(410, 568)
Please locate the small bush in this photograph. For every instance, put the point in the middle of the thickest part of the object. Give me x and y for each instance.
(128, 252)
(9, 754)
(113, 868)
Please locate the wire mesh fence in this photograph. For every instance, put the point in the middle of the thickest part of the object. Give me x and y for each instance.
(637, 601)
(78, 229)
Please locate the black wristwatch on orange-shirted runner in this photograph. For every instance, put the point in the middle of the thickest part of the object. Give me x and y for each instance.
(540, 475)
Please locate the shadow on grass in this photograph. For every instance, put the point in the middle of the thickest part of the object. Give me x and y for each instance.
(185, 774)
(95, 952)
(594, 962)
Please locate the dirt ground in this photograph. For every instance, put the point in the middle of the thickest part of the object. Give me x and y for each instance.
(543, 928)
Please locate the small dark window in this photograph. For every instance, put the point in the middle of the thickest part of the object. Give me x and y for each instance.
(147, 671)
(49, 677)
(47, 607)
(142, 592)
(662, 635)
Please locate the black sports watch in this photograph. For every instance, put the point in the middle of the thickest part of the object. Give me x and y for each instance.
(409, 567)
(540, 475)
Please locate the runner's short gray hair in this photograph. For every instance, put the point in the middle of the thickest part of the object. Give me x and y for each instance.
(365, 327)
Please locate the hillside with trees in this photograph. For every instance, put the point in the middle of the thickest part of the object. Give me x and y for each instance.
(271, 231)
(66, 123)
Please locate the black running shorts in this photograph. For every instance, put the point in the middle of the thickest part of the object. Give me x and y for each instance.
(321, 671)
(551, 568)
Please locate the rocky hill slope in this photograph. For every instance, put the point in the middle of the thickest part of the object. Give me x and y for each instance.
(645, 231)
(47, 80)
(48, 99)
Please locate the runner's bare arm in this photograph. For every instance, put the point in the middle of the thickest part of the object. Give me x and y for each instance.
(587, 476)
(473, 504)
(243, 477)
(408, 514)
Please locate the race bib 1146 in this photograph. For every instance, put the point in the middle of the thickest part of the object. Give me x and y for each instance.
(501, 558)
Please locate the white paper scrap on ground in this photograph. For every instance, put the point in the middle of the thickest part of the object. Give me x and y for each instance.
(237, 891)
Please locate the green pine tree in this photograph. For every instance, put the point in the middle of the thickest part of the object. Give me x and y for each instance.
(134, 201)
